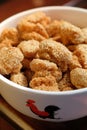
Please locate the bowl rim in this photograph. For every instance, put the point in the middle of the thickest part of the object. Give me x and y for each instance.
(26, 89)
(25, 12)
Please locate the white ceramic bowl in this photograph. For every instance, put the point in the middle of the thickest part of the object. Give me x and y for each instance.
(61, 106)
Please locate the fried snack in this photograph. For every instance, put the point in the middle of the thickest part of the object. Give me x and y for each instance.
(39, 65)
(33, 36)
(81, 53)
(41, 30)
(55, 73)
(71, 34)
(10, 36)
(74, 63)
(19, 78)
(55, 52)
(32, 31)
(5, 43)
(25, 27)
(37, 17)
(35, 24)
(78, 77)
(43, 68)
(44, 53)
(53, 28)
(65, 84)
(47, 83)
(29, 48)
(10, 60)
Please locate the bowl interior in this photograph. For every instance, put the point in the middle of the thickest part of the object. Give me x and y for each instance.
(74, 15)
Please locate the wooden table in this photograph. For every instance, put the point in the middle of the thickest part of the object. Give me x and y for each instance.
(10, 119)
